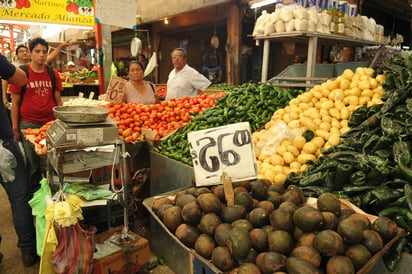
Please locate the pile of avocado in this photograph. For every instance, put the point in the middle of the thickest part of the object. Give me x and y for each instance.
(270, 228)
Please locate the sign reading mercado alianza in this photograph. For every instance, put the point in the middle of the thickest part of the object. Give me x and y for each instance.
(66, 12)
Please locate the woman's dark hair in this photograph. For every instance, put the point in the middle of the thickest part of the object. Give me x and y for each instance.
(136, 62)
(36, 41)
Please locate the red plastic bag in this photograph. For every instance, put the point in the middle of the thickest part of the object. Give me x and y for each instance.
(74, 253)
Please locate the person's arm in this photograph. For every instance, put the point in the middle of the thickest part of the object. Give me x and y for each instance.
(57, 50)
(58, 98)
(200, 82)
(4, 85)
(18, 78)
(59, 89)
(15, 109)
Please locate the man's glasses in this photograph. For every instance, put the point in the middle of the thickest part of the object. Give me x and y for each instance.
(177, 57)
(23, 51)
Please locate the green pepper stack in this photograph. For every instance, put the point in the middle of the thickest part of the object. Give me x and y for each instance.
(250, 102)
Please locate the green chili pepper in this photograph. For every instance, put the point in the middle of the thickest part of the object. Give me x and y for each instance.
(342, 175)
(384, 195)
(393, 256)
(353, 190)
(313, 179)
(358, 178)
(392, 211)
(408, 194)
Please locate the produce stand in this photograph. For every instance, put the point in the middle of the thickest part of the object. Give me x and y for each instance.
(86, 89)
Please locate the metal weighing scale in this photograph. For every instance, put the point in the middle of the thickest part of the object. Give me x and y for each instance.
(66, 151)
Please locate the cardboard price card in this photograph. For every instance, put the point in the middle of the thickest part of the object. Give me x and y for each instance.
(116, 90)
(223, 149)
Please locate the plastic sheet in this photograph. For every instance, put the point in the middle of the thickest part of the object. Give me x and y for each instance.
(7, 163)
(271, 138)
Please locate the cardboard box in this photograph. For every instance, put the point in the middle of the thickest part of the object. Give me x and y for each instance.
(116, 262)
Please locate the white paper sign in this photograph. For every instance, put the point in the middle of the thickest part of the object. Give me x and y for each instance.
(116, 13)
(226, 148)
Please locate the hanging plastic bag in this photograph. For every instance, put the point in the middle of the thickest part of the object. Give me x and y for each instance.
(7, 163)
(74, 253)
(151, 65)
(23, 152)
(39, 205)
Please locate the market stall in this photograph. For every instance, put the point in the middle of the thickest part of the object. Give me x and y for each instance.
(346, 139)
(316, 161)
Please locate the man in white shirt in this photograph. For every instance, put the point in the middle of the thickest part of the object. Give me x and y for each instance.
(183, 79)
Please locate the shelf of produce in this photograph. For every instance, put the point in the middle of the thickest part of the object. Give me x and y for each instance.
(312, 38)
(86, 89)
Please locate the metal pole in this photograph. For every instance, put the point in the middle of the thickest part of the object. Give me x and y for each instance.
(265, 60)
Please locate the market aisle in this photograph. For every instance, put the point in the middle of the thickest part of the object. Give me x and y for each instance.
(12, 262)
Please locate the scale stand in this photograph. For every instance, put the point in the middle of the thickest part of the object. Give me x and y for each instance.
(125, 231)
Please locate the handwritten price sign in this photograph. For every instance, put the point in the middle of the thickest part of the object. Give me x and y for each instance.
(116, 90)
(227, 148)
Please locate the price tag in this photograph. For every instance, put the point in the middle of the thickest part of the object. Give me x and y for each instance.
(223, 149)
(116, 91)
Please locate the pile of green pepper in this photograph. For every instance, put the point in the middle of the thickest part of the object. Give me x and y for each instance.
(251, 102)
(372, 165)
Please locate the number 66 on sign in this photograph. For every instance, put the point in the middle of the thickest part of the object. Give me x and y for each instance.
(226, 148)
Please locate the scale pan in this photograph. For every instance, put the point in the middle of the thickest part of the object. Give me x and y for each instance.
(81, 114)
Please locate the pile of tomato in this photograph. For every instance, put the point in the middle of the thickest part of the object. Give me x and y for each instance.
(131, 118)
(161, 118)
(39, 134)
(161, 90)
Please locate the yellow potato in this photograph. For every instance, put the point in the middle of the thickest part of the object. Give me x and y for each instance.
(345, 113)
(318, 141)
(280, 178)
(292, 149)
(304, 157)
(325, 126)
(339, 105)
(334, 139)
(295, 165)
(299, 142)
(276, 159)
(335, 113)
(309, 148)
(294, 124)
(288, 157)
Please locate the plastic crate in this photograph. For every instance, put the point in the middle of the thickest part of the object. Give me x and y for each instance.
(299, 70)
(340, 67)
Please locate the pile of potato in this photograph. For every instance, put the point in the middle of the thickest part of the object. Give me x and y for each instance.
(324, 110)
